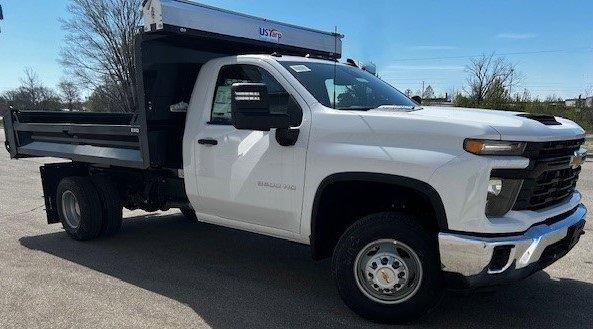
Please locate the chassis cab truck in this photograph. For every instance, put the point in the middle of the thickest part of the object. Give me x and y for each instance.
(253, 124)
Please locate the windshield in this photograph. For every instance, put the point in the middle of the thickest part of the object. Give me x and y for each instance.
(352, 89)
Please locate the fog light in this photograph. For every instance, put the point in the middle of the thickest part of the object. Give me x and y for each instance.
(495, 186)
(502, 194)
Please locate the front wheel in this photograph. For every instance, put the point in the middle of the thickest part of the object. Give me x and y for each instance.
(387, 268)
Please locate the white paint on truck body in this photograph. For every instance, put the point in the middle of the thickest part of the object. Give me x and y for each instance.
(254, 184)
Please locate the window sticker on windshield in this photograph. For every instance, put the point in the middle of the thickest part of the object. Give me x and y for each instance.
(300, 68)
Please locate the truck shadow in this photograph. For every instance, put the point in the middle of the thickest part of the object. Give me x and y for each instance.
(237, 279)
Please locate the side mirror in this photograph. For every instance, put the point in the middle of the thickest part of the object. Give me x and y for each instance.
(250, 108)
(417, 99)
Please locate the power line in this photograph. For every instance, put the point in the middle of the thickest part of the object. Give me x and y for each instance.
(535, 52)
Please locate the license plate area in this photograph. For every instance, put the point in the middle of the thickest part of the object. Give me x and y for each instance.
(574, 233)
(560, 248)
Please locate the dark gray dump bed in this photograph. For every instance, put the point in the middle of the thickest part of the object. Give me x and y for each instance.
(100, 138)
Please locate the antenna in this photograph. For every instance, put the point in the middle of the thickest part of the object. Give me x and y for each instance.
(335, 62)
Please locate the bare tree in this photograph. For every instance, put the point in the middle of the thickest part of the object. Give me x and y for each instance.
(488, 72)
(428, 93)
(70, 93)
(4, 106)
(31, 94)
(31, 88)
(99, 46)
(99, 100)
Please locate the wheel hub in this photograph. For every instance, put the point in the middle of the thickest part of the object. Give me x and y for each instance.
(71, 209)
(388, 272)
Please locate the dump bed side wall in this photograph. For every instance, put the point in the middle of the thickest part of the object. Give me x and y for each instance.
(98, 138)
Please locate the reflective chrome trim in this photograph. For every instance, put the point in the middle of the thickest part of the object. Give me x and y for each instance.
(471, 255)
(508, 162)
(578, 158)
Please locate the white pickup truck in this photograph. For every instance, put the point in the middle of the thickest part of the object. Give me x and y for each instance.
(253, 124)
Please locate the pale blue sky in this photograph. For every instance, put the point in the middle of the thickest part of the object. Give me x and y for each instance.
(410, 41)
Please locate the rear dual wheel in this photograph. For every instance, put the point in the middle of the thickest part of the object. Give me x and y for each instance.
(88, 208)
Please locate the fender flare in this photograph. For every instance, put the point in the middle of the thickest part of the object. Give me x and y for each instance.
(422, 187)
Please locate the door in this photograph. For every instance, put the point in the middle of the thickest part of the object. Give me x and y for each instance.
(245, 175)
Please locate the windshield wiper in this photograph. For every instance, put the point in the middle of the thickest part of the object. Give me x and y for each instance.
(399, 107)
(382, 107)
(355, 108)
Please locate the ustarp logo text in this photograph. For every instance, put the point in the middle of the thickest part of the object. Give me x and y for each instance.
(270, 34)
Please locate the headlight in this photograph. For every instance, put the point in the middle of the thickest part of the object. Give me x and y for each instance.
(492, 147)
(502, 194)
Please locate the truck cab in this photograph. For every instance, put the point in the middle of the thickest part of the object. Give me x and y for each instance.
(256, 125)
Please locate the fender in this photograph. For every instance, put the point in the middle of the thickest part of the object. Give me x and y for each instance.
(424, 188)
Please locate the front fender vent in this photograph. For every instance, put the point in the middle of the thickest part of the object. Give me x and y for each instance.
(548, 120)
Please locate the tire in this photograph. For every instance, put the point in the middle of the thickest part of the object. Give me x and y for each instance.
(354, 270)
(79, 207)
(189, 214)
(111, 206)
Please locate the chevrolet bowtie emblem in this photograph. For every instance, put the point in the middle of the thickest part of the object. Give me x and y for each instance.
(385, 277)
(578, 158)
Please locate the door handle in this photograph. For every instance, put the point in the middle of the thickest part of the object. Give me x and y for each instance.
(208, 141)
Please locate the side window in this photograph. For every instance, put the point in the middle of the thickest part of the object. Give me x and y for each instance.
(280, 100)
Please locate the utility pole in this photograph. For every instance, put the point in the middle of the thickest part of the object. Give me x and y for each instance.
(511, 83)
(422, 95)
(1, 16)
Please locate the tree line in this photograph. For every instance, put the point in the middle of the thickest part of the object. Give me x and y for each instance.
(489, 84)
(98, 61)
(33, 95)
(490, 81)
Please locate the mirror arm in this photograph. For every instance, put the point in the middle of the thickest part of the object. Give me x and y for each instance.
(287, 136)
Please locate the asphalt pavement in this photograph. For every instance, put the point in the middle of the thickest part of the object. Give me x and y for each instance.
(165, 271)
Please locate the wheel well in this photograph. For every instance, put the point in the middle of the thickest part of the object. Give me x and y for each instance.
(343, 199)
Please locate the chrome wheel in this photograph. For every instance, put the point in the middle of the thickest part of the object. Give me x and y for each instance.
(71, 209)
(388, 271)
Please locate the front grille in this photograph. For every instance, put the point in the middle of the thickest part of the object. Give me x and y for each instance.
(549, 179)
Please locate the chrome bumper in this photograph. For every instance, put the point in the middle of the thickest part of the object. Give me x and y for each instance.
(473, 261)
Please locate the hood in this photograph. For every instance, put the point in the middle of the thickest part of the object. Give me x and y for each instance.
(510, 125)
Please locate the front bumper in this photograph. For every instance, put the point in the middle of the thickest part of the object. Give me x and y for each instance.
(477, 261)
